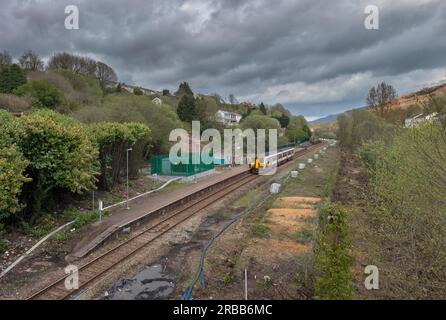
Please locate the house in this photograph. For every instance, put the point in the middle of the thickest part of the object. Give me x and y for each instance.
(248, 106)
(418, 119)
(227, 117)
(157, 101)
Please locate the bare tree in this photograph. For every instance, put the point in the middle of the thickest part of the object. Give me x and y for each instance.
(87, 66)
(5, 59)
(379, 98)
(84, 66)
(31, 61)
(218, 97)
(76, 64)
(105, 74)
(62, 61)
(232, 99)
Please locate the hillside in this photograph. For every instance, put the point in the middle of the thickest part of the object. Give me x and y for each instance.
(415, 100)
(419, 97)
(329, 118)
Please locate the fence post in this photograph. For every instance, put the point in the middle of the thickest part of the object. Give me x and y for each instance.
(100, 209)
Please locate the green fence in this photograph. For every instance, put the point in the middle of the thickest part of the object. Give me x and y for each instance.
(162, 166)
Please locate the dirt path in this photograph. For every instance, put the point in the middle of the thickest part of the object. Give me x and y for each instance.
(351, 187)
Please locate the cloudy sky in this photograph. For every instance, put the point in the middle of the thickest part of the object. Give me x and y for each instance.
(314, 56)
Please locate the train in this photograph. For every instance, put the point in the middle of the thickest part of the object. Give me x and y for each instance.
(264, 163)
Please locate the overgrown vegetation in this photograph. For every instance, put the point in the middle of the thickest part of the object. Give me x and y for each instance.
(2, 246)
(407, 200)
(303, 236)
(260, 230)
(405, 195)
(332, 254)
(82, 218)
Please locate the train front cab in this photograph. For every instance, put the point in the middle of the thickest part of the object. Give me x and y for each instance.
(256, 166)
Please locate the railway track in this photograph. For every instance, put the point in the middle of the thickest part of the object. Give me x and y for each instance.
(105, 262)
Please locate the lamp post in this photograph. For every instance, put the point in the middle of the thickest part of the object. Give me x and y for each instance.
(127, 192)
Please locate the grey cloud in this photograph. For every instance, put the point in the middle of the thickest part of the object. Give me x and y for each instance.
(243, 47)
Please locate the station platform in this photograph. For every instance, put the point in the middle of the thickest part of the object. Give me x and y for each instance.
(141, 209)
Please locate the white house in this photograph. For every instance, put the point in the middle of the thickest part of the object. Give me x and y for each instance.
(228, 118)
(414, 121)
(157, 101)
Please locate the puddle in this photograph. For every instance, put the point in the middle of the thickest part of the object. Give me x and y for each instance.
(149, 284)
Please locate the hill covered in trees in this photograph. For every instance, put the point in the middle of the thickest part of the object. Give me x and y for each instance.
(65, 128)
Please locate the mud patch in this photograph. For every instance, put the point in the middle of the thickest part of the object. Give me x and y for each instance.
(152, 283)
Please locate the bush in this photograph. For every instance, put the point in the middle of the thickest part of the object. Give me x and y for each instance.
(303, 236)
(2, 246)
(260, 122)
(137, 92)
(361, 126)
(113, 140)
(407, 199)
(13, 103)
(11, 78)
(297, 135)
(228, 278)
(12, 178)
(12, 165)
(43, 94)
(62, 156)
(43, 226)
(332, 254)
(87, 89)
(260, 231)
(161, 119)
(187, 109)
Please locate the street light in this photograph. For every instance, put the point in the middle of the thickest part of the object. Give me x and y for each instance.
(127, 152)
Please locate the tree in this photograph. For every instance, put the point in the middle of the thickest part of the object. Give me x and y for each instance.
(83, 66)
(187, 109)
(379, 99)
(11, 78)
(307, 130)
(262, 108)
(12, 165)
(284, 120)
(105, 74)
(166, 92)
(232, 99)
(77, 64)
(137, 92)
(5, 59)
(31, 61)
(62, 156)
(61, 61)
(12, 178)
(113, 139)
(13, 103)
(218, 98)
(184, 89)
(260, 122)
(280, 108)
(297, 122)
(88, 89)
(161, 119)
(86, 66)
(297, 135)
(344, 133)
(43, 94)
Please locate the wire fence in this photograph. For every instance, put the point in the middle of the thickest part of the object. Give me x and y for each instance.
(162, 166)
